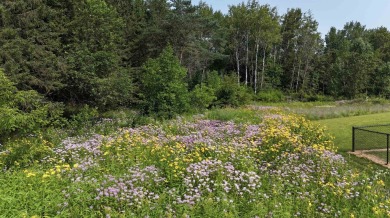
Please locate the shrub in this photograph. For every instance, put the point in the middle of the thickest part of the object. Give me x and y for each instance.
(114, 91)
(25, 152)
(7, 89)
(202, 97)
(378, 100)
(24, 112)
(317, 97)
(82, 119)
(85, 115)
(231, 93)
(214, 80)
(163, 88)
(310, 97)
(271, 96)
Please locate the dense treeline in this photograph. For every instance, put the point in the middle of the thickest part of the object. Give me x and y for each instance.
(164, 56)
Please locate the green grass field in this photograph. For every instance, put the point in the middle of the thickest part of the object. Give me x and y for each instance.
(341, 128)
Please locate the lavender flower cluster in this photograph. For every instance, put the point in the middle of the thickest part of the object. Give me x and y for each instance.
(131, 188)
(233, 169)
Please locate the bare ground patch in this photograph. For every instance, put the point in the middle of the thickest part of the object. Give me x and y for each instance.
(366, 154)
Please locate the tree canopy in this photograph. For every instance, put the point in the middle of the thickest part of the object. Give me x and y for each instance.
(111, 53)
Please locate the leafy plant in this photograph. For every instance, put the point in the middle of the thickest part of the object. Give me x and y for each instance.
(231, 93)
(25, 152)
(202, 97)
(24, 112)
(271, 96)
(164, 90)
(281, 165)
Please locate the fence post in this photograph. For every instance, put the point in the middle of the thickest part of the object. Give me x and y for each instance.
(387, 153)
(353, 139)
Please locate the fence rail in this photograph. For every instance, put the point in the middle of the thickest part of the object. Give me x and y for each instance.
(373, 137)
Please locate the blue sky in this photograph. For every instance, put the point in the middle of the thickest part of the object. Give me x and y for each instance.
(328, 13)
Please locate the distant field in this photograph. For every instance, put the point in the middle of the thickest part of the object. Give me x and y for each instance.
(329, 110)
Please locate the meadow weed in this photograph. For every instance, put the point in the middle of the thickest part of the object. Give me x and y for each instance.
(281, 166)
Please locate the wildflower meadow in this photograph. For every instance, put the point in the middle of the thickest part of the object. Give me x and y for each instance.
(281, 166)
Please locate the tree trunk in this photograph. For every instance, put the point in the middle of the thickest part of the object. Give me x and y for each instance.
(263, 69)
(299, 69)
(275, 53)
(238, 65)
(304, 80)
(292, 76)
(202, 76)
(247, 59)
(181, 55)
(257, 52)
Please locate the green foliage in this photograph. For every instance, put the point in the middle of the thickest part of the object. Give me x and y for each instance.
(114, 91)
(202, 97)
(213, 80)
(301, 43)
(9, 118)
(320, 98)
(7, 89)
(30, 37)
(96, 75)
(380, 80)
(231, 93)
(274, 75)
(82, 52)
(254, 30)
(86, 52)
(25, 152)
(68, 51)
(83, 119)
(24, 112)
(164, 90)
(311, 97)
(351, 62)
(270, 96)
(85, 115)
(124, 117)
(378, 100)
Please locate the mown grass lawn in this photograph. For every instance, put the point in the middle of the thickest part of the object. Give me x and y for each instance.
(341, 128)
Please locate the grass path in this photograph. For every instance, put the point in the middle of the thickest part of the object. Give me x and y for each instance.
(341, 128)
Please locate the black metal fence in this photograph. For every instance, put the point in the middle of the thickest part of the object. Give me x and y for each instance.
(373, 140)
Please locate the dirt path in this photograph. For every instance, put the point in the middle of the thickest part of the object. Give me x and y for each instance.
(373, 158)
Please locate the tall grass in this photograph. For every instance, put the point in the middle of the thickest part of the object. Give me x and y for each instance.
(335, 111)
(328, 110)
